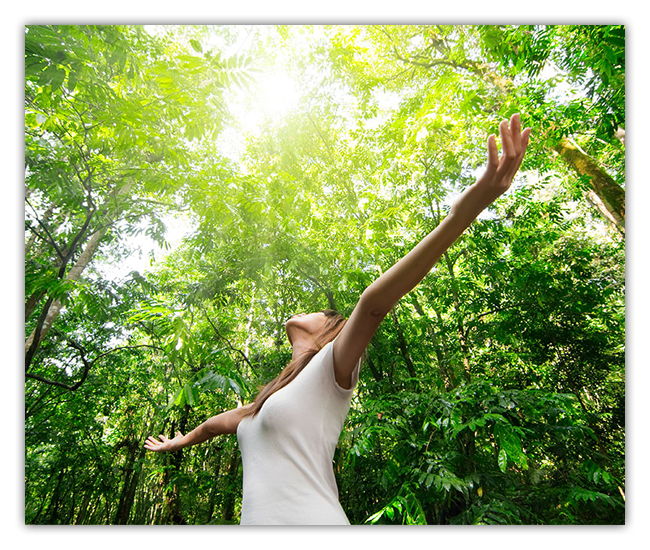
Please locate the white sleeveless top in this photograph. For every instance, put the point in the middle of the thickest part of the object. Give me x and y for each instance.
(288, 448)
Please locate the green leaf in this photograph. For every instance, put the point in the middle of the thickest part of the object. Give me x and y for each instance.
(374, 518)
(610, 54)
(503, 460)
(196, 45)
(57, 79)
(617, 41)
(47, 75)
(34, 66)
(214, 381)
(429, 480)
(73, 78)
(178, 400)
(192, 394)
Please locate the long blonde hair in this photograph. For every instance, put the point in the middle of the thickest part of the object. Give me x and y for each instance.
(335, 322)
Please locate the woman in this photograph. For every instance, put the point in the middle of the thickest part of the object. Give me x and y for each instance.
(288, 435)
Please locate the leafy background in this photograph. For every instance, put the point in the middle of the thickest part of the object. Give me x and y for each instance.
(493, 394)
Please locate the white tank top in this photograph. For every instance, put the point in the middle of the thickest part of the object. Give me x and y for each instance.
(288, 448)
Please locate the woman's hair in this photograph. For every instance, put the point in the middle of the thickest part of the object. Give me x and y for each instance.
(333, 325)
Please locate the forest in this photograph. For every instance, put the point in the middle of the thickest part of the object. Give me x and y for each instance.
(189, 188)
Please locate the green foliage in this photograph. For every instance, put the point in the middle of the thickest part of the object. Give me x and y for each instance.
(495, 394)
(480, 455)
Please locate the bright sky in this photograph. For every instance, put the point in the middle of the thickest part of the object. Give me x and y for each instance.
(274, 94)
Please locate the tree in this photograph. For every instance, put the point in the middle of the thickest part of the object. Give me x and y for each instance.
(482, 67)
(493, 393)
(110, 118)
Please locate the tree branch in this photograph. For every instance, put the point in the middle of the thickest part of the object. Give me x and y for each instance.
(474, 322)
(87, 364)
(233, 348)
(49, 236)
(75, 386)
(75, 242)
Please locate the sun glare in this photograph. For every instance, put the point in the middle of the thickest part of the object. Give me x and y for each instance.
(273, 96)
(278, 94)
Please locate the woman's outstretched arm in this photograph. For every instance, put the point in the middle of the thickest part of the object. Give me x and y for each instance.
(378, 299)
(224, 423)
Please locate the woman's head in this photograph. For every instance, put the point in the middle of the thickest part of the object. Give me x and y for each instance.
(310, 332)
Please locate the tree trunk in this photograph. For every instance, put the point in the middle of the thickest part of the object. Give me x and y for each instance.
(173, 497)
(55, 307)
(214, 493)
(229, 501)
(83, 510)
(53, 507)
(606, 194)
(443, 362)
(131, 476)
(464, 350)
(377, 374)
(32, 302)
(402, 345)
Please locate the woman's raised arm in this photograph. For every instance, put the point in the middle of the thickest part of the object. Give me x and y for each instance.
(378, 299)
(224, 423)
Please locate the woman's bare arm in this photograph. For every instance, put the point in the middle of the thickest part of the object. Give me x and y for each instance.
(224, 423)
(378, 299)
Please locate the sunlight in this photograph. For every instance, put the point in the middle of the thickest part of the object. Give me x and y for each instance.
(273, 96)
(252, 172)
(277, 94)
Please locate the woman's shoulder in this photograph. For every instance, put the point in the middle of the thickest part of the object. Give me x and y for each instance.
(327, 367)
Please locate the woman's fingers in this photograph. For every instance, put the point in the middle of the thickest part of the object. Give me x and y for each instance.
(500, 171)
(513, 141)
(493, 151)
(524, 140)
(493, 154)
(515, 133)
(513, 167)
(152, 443)
(506, 141)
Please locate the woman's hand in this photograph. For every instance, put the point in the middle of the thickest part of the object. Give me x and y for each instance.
(224, 423)
(165, 445)
(382, 295)
(499, 172)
